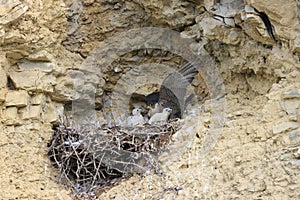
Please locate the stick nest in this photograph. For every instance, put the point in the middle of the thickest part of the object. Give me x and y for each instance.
(91, 159)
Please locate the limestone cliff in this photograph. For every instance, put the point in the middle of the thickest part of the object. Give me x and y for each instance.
(110, 54)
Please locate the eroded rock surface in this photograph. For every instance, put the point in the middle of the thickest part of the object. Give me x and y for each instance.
(48, 48)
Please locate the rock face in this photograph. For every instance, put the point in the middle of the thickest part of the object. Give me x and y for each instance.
(16, 98)
(53, 52)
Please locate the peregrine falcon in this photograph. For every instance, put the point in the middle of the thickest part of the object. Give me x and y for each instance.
(173, 89)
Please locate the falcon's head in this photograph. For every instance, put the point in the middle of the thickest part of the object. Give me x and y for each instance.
(136, 111)
(167, 110)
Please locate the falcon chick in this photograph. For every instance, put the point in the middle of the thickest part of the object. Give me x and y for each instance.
(161, 117)
(136, 118)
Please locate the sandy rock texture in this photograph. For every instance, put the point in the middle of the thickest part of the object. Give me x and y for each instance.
(243, 144)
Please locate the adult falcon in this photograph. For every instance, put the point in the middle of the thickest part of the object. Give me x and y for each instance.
(172, 91)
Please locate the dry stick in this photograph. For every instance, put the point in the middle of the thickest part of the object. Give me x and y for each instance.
(127, 163)
(71, 154)
(64, 173)
(86, 169)
(57, 162)
(174, 189)
(152, 141)
(97, 171)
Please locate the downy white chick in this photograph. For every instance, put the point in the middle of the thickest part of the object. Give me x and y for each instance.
(161, 117)
(136, 118)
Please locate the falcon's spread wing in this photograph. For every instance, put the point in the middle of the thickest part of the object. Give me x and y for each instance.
(173, 89)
